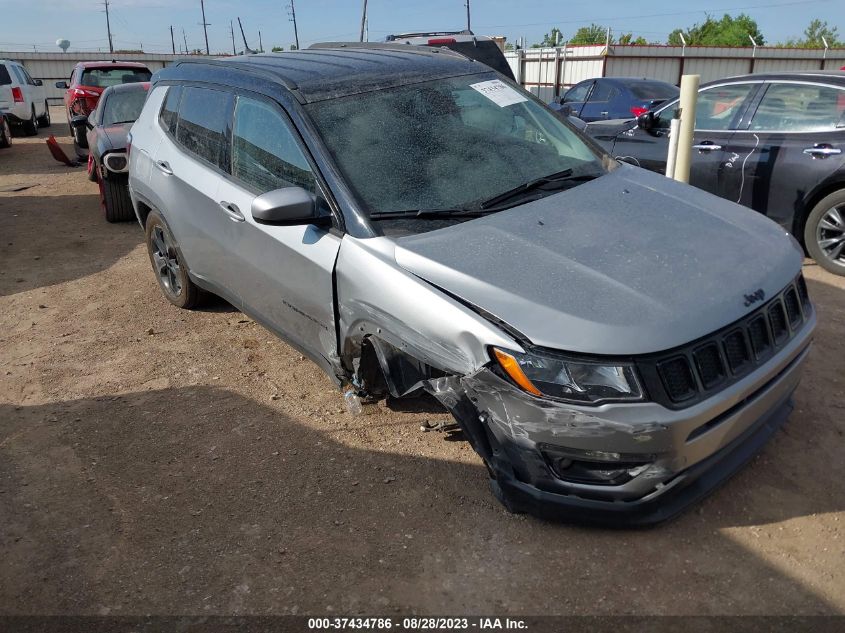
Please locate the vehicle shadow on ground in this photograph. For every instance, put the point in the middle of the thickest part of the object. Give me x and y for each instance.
(199, 500)
(37, 250)
(29, 157)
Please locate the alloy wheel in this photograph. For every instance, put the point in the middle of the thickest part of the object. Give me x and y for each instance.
(830, 234)
(166, 262)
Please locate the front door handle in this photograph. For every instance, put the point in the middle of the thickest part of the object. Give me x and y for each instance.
(164, 167)
(822, 150)
(604, 114)
(232, 211)
(707, 147)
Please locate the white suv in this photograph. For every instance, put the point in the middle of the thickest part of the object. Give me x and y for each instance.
(23, 98)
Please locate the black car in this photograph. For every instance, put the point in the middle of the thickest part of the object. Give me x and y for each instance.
(107, 130)
(614, 98)
(773, 142)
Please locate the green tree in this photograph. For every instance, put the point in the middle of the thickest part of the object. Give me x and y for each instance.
(727, 31)
(815, 35)
(277, 49)
(593, 34)
(628, 38)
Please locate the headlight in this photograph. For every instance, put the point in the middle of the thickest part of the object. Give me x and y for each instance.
(576, 381)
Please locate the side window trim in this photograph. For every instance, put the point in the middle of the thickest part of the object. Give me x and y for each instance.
(322, 184)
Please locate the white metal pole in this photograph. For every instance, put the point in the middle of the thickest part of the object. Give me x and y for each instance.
(672, 154)
(689, 97)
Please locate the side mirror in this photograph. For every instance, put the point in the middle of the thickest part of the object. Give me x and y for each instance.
(289, 205)
(38, 82)
(645, 121)
(62, 85)
(80, 120)
(565, 109)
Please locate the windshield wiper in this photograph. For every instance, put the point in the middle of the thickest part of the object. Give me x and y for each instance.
(431, 214)
(561, 177)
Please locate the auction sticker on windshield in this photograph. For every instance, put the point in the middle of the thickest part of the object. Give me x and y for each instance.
(498, 92)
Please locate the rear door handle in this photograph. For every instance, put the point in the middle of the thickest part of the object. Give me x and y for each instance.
(164, 167)
(822, 150)
(232, 211)
(707, 147)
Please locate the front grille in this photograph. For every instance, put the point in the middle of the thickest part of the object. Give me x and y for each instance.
(678, 379)
(777, 317)
(708, 361)
(686, 375)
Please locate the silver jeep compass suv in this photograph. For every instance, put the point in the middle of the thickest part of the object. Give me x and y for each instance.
(612, 343)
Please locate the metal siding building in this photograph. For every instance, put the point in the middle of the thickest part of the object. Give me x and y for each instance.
(548, 72)
(53, 67)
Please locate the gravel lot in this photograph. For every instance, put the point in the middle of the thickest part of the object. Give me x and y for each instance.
(158, 461)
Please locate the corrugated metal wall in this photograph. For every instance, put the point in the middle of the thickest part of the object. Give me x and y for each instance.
(53, 67)
(548, 72)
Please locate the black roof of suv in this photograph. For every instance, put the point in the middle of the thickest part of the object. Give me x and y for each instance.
(327, 73)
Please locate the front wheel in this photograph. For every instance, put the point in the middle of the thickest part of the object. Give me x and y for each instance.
(30, 128)
(5, 133)
(115, 200)
(44, 120)
(170, 271)
(824, 233)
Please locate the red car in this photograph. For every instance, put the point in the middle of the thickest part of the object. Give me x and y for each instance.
(87, 82)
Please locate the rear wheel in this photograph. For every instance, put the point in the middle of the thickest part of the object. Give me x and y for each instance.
(5, 133)
(824, 233)
(115, 200)
(30, 128)
(44, 120)
(170, 270)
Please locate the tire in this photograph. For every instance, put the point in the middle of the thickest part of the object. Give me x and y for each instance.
(80, 140)
(114, 197)
(169, 269)
(30, 128)
(93, 169)
(5, 133)
(824, 233)
(44, 120)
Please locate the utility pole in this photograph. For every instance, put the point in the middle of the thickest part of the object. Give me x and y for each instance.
(293, 19)
(247, 49)
(363, 19)
(185, 37)
(205, 26)
(172, 41)
(260, 43)
(232, 33)
(108, 26)
(467, 6)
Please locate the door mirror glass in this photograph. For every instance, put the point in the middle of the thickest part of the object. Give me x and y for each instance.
(38, 82)
(62, 85)
(289, 205)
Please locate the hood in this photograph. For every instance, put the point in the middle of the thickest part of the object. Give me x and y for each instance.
(629, 263)
(114, 136)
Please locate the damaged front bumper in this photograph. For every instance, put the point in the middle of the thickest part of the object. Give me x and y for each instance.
(621, 464)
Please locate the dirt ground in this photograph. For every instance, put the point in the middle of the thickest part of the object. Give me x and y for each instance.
(158, 461)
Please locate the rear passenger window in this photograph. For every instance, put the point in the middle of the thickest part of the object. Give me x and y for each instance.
(204, 124)
(603, 92)
(5, 79)
(20, 76)
(170, 110)
(265, 152)
(800, 108)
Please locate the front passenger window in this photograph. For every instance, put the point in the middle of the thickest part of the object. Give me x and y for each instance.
(265, 152)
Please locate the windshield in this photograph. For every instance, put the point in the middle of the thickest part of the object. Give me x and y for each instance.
(446, 144)
(105, 77)
(123, 106)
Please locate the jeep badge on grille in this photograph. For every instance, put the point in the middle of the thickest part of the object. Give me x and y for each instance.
(754, 297)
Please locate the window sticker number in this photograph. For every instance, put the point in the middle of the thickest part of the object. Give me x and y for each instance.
(498, 92)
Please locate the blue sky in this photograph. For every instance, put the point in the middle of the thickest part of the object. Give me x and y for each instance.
(26, 23)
